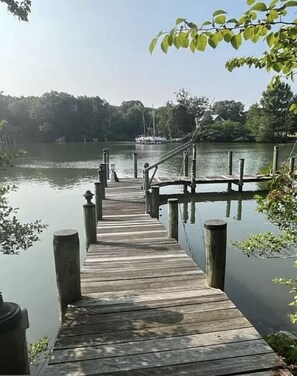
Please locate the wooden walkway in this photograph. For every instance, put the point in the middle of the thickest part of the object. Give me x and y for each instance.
(146, 310)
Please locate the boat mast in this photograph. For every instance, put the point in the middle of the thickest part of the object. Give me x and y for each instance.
(143, 122)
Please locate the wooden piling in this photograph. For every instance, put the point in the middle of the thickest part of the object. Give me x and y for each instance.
(67, 265)
(98, 200)
(215, 251)
(192, 211)
(155, 202)
(194, 150)
(193, 176)
(90, 220)
(135, 172)
(186, 163)
(102, 181)
(185, 212)
(241, 172)
(275, 160)
(292, 165)
(173, 218)
(146, 187)
(230, 167)
(106, 161)
(104, 175)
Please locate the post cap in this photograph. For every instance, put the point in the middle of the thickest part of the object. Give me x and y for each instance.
(215, 224)
(88, 196)
(10, 316)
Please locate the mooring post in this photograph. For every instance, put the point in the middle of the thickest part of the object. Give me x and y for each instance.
(13, 344)
(102, 181)
(185, 212)
(106, 161)
(192, 211)
(67, 265)
(135, 165)
(230, 167)
(193, 176)
(155, 201)
(241, 171)
(275, 160)
(90, 220)
(186, 163)
(239, 209)
(194, 151)
(98, 200)
(104, 176)
(292, 165)
(228, 208)
(173, 218)
(215, 250)
(146, 187)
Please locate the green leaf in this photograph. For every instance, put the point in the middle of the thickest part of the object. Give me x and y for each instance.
(236, 41)
(213, 41)
(164, 44)
(153, 44)
(227, 35)
(260, 7)
(206, 23)
(232, 20)
(247, 33)
(250, 2)
(290, 3)
(193, 45)
(179, 21)
(201, 42)
(270, 39)
(221, 19)
(218, 12)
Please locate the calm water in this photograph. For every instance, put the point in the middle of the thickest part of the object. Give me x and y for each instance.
(51, 180)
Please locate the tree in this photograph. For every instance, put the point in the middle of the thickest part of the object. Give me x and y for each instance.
(19, 9)
(274, 23)
(229, 110)
(276, 101)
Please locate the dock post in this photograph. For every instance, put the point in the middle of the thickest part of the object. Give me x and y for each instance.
(173, 218)
(155, 201)
(193, 176)
(230, 167)
(13, 345)
(98, 200)
(193, 211)
(185, 212)
(135, 165)
(239, 209)
(194, 152)
(146, 183)
(67, 265)
(186, 163)
(215, 250)
(241, 170)
(275, 160)
(102, 181)
(292, 165)
(106, 161)
(104, 176)
(90, 220)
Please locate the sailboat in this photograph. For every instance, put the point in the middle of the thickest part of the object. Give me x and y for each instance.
(145, 139)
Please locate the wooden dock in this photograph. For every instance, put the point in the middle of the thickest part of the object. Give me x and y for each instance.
(146, 310)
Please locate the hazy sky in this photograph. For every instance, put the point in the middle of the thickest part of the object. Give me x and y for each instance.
(100, 47)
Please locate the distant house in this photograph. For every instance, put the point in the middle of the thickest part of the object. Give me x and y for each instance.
(206, 117)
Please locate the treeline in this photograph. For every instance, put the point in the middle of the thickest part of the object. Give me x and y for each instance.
(55, 116)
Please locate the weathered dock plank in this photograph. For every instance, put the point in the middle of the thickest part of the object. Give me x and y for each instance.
(146, 310)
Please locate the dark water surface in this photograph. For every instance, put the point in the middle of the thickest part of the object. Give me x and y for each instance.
(51, 180)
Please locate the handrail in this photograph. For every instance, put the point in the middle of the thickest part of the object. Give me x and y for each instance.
(172, 154)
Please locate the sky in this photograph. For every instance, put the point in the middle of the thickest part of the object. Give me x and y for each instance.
(100, 47)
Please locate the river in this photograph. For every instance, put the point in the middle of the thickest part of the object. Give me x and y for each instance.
(51, 179)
